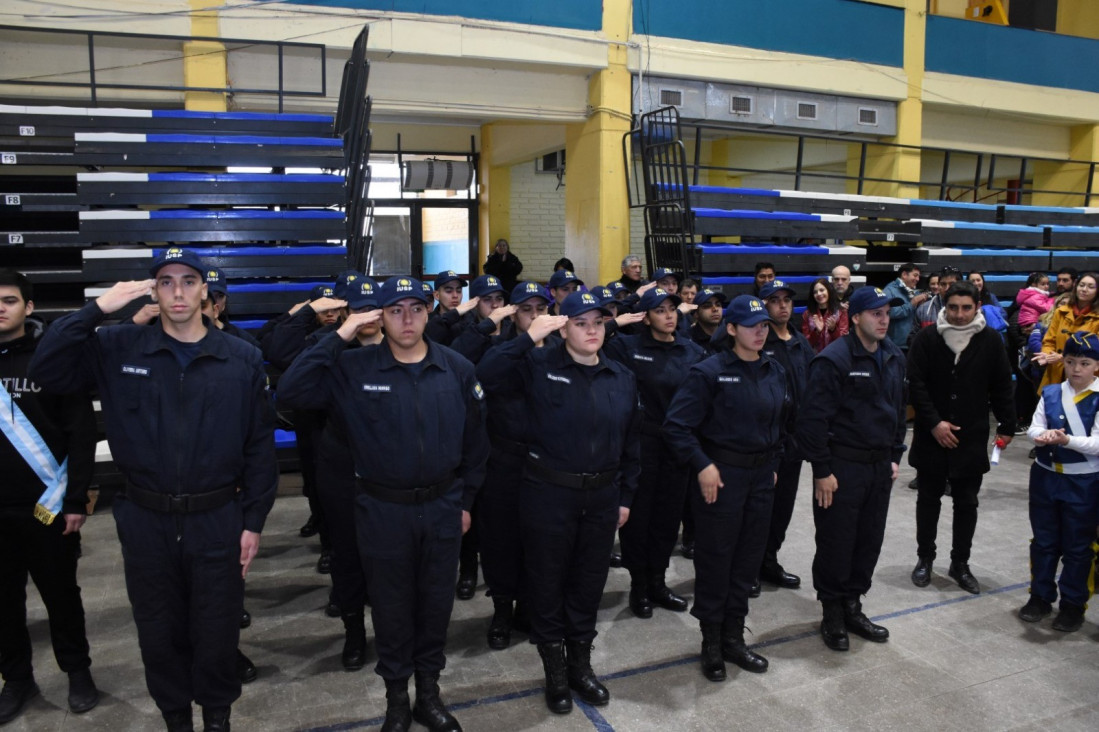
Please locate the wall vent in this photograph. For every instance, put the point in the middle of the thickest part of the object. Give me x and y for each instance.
(671, 98)
(741, 105)
(868, 116)
(807, 110)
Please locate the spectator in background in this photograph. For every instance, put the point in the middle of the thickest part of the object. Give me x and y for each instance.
(927, 313)
(1033, 300)
(504, 265)
(1077, 314)
(1066, 280)
(995, 315)
(841, 281)
(824, 321)
(933, 284)
(631, 272)
(564, 263)
(902, 317)
(764, 273)
(688, 288)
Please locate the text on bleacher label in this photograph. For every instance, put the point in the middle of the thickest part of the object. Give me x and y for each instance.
(7, 158)
(12, 200)
(26, 130)
(15, 238)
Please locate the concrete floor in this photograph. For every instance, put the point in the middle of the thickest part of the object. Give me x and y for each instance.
(954, 661)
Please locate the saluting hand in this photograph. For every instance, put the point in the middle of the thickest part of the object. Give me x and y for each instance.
(124, 293)
(823, 488)
(324, 304)
(249, 547)
(497, 316)
(686, 307)
(468, 305)
(709, 480)
(297, 307)
(644, 288)
(629, 319)
(355, 321)
(543, 325)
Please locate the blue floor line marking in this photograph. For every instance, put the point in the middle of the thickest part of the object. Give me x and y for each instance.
(601, 724)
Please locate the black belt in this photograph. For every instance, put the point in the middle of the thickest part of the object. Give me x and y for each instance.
(418, 494)
(184, 503)
(511, 447)
(579, 481)
(858, 455)
(738, 459)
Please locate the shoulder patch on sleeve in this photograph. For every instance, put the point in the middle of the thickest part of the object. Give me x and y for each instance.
(478, 392)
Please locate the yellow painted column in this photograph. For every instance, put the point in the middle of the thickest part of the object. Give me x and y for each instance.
(1072, 178)
(494, 196)
(597, 221)
(903, 163)
(204, 62)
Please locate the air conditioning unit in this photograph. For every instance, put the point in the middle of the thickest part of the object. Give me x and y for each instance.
(554, 163)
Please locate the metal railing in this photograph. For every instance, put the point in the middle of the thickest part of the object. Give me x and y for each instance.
(94, 84)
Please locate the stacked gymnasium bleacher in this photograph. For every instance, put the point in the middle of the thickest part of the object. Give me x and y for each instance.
(808, 233)
(90, 196)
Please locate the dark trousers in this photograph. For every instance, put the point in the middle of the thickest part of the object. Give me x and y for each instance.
(498, 523)
(688, 511)
(850, 532)
(567, 536)
(648, 538)
(28, 547)
(1064, 510)
(336, 491)
(471, 542)
(730, 538)
(786, 493)
(308, 430)
(410, 555)
(183, 579)
(963, 491)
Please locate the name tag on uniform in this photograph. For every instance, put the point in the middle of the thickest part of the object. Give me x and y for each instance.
(376, 387)
(639, 357)
(728, 379)
(135, 370)
(768, 353)
(864, 374)
(562, 379)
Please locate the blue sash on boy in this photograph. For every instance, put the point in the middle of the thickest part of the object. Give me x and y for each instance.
(28, 443)
(1074, 413)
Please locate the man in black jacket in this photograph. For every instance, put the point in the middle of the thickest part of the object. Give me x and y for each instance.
(34, 539)
(956, 369)
(190, 426)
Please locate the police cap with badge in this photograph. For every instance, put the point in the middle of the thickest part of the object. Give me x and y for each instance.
(870, 298)
(178, 255)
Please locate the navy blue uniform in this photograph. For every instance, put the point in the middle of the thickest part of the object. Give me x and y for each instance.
(649, 536)
(444, 327)
(412, 428)
(852, 425)
(579, 419)
(202, 429)
(731, 413)
(794, 354)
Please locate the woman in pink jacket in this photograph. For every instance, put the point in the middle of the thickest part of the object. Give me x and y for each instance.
(1033, 300)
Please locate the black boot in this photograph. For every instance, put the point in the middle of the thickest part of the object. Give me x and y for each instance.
(324, 562)
(215, 719)
(855, 620)
(467, 584)
(14, 697)
(1070, 618)
(309, 528)
(558, 698)
(659, 594)
(246, 670)
(959, 572)
(353, 657)
(83, 696)
(398, 710)
(245, 619)
(713, 665)
(429, 709)
(832, 628)
(179, 720)
(582, 679)
(332, 609)
(735, 650)
(755, 590)
(1035, 609)
(775, 574)
(921, 573)
(499, 630)
(640, 604)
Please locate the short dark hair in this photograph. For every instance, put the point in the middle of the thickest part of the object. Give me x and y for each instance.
(13, 278)
(760, 266)
(961, 288)
(1035, 277)
(688, 282)
(1070, 271)
(564, 263)
(908, 267)
(950, 271)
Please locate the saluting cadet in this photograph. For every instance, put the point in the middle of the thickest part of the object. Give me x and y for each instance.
(451, 316)
(47, 454)
(851, 427)
(660, 359)
(498, 501)
(561, 284)
(414, 417)
(791, 349)
(190, 427)
(728, 422)
(580, 476)
(1064, 500)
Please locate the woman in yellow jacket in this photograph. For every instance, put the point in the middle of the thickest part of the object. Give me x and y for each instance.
(1079, 313)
